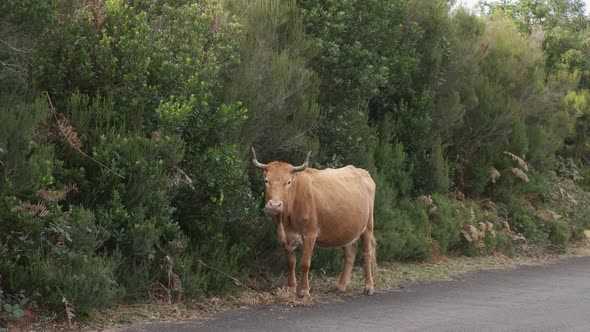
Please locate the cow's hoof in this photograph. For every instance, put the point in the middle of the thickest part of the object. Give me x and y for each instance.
(369, 291)
(339, 290)
(304, 294)
(289, 289)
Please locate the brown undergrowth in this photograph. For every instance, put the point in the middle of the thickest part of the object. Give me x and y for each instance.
(390, 276)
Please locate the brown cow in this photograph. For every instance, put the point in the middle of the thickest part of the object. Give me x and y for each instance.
(331, 208)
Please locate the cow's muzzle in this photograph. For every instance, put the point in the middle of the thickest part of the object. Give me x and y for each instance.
(274, 207)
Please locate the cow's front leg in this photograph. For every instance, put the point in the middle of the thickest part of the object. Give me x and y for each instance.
(308, 244)
(291, 260)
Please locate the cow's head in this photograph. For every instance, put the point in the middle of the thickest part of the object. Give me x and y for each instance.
(278, 178)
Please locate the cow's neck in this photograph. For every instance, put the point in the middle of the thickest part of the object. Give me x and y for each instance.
(299, 202)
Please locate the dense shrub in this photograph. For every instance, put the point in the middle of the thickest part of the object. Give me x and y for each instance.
(125, 125)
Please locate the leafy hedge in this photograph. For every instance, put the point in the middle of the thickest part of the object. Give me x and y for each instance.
(125, 128)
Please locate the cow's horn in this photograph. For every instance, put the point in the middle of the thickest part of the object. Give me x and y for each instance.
(304, 166)
(255, 161)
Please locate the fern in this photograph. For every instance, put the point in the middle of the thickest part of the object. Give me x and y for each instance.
(67, 131)
(520, 174)
(494, 174)
(60, 196)
(69, 309)
(70, 135)
(518, 159)
(37, 210)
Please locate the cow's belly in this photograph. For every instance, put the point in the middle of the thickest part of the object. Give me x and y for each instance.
(340, 232)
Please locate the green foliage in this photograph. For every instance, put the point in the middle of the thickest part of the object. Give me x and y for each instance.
(445, 223)
(273, 81)
(568, 169)
(12, 305)
(18, 123)
(141, 57)
(559, 233)
(124, 126)
(402, 231)
(438, 165)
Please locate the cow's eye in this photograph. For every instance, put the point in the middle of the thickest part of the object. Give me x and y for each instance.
(266, 181)
(289, 182)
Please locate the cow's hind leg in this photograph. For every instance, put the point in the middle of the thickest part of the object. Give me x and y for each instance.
(369, 258)
(349, 255)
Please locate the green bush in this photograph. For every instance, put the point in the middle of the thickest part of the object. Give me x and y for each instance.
(402, 231)
(559, 233)
(445, 223)
(124, 127)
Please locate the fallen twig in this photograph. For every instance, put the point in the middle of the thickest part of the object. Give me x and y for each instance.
(238, 282)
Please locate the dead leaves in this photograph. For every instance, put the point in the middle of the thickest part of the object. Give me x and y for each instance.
(511, 233)
(40, 209)
(432, 209)
(36, 210)
(518, 159)
(57, 197)
(69, 309)
(495, 174)
(68, 132)
(520, 174)
(476, 236)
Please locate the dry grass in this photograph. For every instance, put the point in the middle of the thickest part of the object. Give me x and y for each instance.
(390, 276)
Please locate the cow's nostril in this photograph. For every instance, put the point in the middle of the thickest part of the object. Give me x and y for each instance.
(274, 205)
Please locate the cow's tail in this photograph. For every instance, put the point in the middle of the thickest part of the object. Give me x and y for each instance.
(374, 266)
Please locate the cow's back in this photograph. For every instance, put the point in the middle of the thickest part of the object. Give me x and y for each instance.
(344, 200)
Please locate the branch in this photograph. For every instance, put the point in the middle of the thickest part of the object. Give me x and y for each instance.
(238, 282)
(76, 147)
(14, 48)
(8, 65)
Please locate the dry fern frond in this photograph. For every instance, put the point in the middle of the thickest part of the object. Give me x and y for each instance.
(510, 233)
(156, 135)
(173, 279)
(250, 299)
(428, 200)
(566, 196)
(491, 228)
(71, 136)
(37, 210)
(476, 236)
(555, 215)
(182, 177)
(252, 283)
(159, 293)
(518, 159)
(69, 309)
(79, 277)
(487, 204)
(494, 174)
(68, 132)
(520, 174)
(286, 295)
(471, 215)
(468, 232)
(60, 196)
(433, 209)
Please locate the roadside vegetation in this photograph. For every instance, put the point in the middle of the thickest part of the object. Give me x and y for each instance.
(126, 126)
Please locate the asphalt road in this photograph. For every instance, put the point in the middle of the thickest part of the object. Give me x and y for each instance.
(553, 297)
